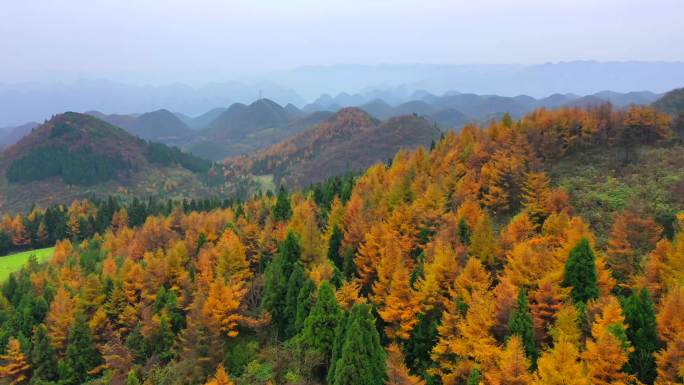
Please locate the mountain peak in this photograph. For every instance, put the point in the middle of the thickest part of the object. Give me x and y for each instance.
(352, 117)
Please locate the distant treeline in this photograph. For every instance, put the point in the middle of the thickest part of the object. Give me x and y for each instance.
(83, 219)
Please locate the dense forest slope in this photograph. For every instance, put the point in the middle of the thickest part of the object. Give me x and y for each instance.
(489, 259)
(349, 141)
(76, 155)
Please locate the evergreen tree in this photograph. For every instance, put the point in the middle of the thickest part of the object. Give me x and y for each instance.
(521, 324)
(277, 274)
(320, 325)
(641, 331)
(361, 358)
(334, 247)
(43, 359)
(80, 357)
(162, 340)
(304, 303)
(282, 210)
(294, 285)
(580, 273)
(424, 337)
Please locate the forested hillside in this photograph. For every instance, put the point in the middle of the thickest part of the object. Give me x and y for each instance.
(74, 156)
(488, 259)
(349, 141)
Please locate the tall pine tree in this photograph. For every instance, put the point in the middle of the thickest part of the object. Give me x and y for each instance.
(282, 210)
(423, 338)
(521, 324)
(305, 302)
(361, 358)
(295, 283)
(277, 275)
(81, 357)
(320, 325)
(43, 357)
(641, 332)
(580, 273)
(334, 247)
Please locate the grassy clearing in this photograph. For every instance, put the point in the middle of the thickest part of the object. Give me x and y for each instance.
(266, 182)
(13, 262)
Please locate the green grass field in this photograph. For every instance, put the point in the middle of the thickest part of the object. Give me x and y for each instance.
(266, 182)
(13, 262)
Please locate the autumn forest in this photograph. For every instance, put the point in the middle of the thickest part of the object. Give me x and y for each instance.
(462, 263)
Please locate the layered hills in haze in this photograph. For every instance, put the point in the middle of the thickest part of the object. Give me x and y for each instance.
(243, 128)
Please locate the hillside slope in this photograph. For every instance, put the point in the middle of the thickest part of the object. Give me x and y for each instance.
(77, 155)
(11, 135)
(351, 140)
(673, 103)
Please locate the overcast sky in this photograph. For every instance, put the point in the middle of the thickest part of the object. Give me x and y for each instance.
(175, 39)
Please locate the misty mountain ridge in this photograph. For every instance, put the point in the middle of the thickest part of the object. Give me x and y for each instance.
(393, 83)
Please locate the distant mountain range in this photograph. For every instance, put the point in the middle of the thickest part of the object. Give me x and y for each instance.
(244, 128)
(392, 83)
(395, 83)
(75, 155)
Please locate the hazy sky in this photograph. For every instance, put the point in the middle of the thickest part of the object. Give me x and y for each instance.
(174, 39)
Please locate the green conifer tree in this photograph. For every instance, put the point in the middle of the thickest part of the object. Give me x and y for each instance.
(641, 331)
(362, 358)
(43, 359)
(80, 357)
(424, 337)
(334, 246)
(294, 285)
(305, 302)
(277, 274)
(320, 325)
(282, 210)
(580, 273)
(521, 324)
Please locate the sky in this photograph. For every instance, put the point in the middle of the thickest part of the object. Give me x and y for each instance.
(199, 40)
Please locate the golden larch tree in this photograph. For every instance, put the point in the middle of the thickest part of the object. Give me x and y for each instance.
(222, 306)
(220, 377)
(59, 318)
(14, 366)
(397, 372)
(607, 351)
(400, 306)
(535, 196)
(512, 366)
(560, 366)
